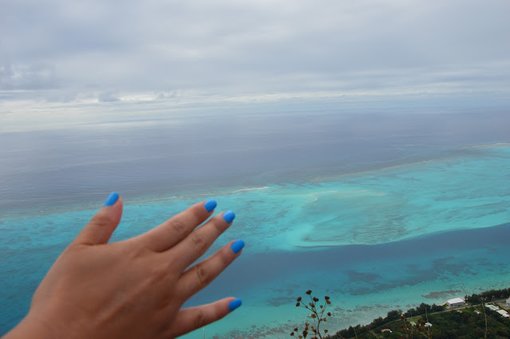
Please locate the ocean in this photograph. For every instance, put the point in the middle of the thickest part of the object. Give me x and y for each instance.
(378, 210)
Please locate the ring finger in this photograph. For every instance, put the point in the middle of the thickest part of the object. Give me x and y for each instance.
(199, 276)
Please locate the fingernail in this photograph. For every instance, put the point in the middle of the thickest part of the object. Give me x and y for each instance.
(237, 246)
(229, 216)
(210, 205)
(112, 199)
(234, 304)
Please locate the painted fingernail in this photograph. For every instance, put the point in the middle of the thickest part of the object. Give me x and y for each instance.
(112, 199)
(229, 216)
(234, 304)
(210, 205)
(237, 246)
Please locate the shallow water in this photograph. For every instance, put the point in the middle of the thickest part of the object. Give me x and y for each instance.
(397, 226)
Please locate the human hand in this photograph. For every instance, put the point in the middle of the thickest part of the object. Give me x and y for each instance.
(133, 288)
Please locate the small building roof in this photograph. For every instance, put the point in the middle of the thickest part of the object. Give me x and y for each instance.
(492, 307)
(456, 301)
(504, 313)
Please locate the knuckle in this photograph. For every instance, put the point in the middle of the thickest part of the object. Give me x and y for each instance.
(178, 226)
(200, 319)
(202, 275)
(198, 241)
(101, 220)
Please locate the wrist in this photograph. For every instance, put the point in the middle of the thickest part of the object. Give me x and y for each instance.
(31, 327)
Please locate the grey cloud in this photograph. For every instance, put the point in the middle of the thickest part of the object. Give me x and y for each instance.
(107, 97)
(234, 47)
(31, 76)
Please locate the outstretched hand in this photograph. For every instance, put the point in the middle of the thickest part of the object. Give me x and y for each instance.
(133, 288)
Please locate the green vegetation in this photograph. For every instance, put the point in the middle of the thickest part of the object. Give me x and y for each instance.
(474, 320)
(411, 324)
(471, 321)
(465, 323)
(488, 296)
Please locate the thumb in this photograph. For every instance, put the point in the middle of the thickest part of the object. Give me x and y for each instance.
(101, 226)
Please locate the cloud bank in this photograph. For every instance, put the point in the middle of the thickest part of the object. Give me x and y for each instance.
(110, 51)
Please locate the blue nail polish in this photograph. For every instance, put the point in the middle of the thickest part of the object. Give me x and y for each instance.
(112, 199)
(234, 304)
(229, 216)
(210, 205)
(237, 246)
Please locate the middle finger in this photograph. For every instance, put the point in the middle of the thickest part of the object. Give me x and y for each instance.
(198, 241)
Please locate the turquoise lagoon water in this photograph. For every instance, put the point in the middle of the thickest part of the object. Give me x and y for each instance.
(375, 240)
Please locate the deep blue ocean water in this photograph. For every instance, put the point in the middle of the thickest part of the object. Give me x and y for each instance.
(377, 210)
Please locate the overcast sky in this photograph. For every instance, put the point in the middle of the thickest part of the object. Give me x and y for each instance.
(66, 51)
